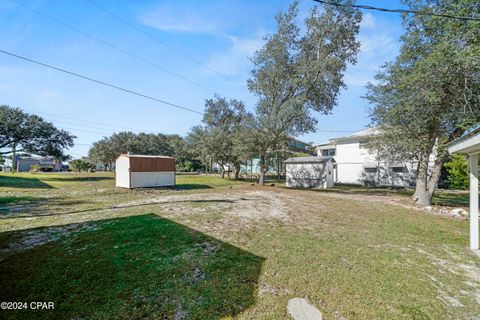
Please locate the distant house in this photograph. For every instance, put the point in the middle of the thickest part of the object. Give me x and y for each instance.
(47, 164)
(294, 146)
(143, 171)
(309, 172)
(356, 163)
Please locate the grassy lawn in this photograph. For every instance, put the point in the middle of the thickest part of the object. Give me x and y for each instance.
(447, 198)
(219, 249)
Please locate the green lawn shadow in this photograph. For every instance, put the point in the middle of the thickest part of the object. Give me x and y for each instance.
(140, 267)
(22, 182)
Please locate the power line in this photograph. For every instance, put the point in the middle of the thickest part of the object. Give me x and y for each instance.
(103, 134)
(87, 121)
(151, 36)
(112, 46)
(405, 11)
(100, 82)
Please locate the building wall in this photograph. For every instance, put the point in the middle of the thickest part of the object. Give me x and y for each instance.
(23, 165)
(122, 172)
(152, 179)
(309, 175)
(352, 158)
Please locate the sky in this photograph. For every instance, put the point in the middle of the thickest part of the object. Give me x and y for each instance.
(182, 52)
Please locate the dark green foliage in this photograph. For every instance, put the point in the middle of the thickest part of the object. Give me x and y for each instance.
(20, 131)
(297, 74)
(105, 151)
(222, 138)
(80, 165)
(457, 172)
(430, 94)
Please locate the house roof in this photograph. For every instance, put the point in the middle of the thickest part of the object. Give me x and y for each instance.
(309, 159)
(466, 144)
(143, 156)
(359, 134)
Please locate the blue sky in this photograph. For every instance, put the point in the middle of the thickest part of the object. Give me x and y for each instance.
(222, 34)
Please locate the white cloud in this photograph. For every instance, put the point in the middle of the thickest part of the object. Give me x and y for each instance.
(178, 19)
(234, 60)
(368, 21)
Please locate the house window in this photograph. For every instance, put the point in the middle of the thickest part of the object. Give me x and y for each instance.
(397, 169)
(328, 152)
(371, 170)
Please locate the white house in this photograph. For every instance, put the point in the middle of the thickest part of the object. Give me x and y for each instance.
(355, 163)
(470, 144)
(24, 163)
(309, 172)
(143, 171)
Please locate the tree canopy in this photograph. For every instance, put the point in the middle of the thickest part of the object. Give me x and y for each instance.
(298, 73)
(108, 149)
(430, 94)
(219, 139)
(23, 132)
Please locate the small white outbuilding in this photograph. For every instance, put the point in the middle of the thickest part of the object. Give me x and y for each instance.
(143, 171)
(310, 172)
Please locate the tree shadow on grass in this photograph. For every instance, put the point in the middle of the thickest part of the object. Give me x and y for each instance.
(129, 268)
(37, 206)
(78, 179)
(22, 182)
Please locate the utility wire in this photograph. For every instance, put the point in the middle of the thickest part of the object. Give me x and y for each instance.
(99, 82)
(405, 11)
(86, 121)
(151, 36)
(112, 46)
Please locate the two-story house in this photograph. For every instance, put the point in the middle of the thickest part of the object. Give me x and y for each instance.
(356, 163)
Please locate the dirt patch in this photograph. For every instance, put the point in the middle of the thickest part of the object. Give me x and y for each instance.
(470, 271)
(34, 238)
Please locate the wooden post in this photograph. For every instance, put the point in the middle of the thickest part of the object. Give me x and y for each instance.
(474, 202)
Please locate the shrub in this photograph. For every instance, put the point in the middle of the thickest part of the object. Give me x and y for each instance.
(457, 172)
(35, 168)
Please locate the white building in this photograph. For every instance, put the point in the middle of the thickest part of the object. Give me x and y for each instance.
(143, 171)
(357, 164)
(470, 144)
(309, 172)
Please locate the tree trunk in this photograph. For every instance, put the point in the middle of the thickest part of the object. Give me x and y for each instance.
(14, 154)
(222, 170)
(427, 184)
(261, 179)
(421, 196)
(237, 170)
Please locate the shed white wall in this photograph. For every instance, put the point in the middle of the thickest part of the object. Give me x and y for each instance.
(309, 175)
(152, 179)
(122, 172)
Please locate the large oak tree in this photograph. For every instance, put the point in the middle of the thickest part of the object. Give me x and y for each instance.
(297, 73)
(430, 94)
(23, 132)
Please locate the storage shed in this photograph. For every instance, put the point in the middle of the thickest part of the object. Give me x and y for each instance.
(143, 171)
(310, 172)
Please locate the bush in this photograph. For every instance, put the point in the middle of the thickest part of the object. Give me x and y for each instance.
(457, 172)
(35, 168)
(80, 165)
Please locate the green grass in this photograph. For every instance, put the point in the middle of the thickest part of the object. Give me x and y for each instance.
(130, 268)
(4, 200)
(451, 198)
(352, 259)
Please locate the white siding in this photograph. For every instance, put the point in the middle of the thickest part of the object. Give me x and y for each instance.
(309, 175)
(152, 179)
(351, 159)
(122, 172)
